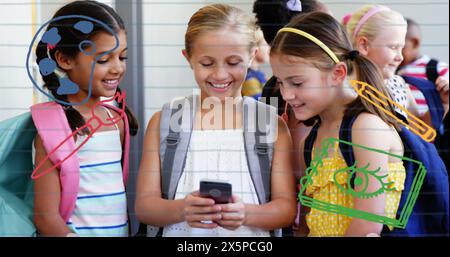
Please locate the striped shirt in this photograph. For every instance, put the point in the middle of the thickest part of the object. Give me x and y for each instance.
(101, 206)
(417, 69)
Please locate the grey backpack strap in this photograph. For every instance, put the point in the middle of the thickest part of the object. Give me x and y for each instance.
(175, 136)
(169, 139)
(260, 128)
(175, 133)
(259, 134)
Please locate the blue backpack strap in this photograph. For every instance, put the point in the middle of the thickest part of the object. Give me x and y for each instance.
(433, 98)
(309, 143)
(345, 134)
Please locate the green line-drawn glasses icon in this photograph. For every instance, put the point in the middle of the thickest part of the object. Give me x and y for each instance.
(403, 215)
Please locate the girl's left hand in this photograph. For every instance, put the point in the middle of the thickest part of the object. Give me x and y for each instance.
(233, 214)
(442, 88)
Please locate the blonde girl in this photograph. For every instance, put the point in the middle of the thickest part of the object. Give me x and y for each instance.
(219, 47)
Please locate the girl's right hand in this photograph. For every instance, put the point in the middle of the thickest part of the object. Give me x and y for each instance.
(197, 210)
(443, 88)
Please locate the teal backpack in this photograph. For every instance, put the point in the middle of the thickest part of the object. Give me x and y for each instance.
(16, 186)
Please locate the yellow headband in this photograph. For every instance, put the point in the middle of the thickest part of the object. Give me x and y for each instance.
(314, 39)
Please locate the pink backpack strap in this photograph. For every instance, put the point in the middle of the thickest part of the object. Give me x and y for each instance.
(126, 146)
(53, 127)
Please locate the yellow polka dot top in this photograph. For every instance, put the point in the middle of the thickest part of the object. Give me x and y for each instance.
(323, 188)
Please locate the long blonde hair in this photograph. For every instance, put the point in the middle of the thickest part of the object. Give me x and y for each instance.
(219, 16)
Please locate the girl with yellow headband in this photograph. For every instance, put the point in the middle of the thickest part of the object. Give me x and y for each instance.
(312, 59)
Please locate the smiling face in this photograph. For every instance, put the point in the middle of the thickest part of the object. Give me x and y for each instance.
(385, 50)
(220, 59)
(304, 87)
(108, 71)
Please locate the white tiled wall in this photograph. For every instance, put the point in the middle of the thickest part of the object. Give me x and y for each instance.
(166, 73)
(16, 33)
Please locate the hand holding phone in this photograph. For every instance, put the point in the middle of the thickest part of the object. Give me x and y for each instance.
(200, 212)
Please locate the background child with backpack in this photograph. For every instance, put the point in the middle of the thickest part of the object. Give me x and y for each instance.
(256, 78)
(100, 207)
(416, 64)
(219, 46)
(312, 59)
(378, 32)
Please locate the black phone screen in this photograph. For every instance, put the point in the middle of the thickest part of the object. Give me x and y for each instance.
(219, 191)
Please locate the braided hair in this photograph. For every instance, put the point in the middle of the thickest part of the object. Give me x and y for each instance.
(68, 45)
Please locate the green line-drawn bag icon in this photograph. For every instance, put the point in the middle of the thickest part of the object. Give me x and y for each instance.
(317, 161)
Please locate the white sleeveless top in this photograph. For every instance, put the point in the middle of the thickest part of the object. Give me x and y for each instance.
(101, 206)
(216, 155)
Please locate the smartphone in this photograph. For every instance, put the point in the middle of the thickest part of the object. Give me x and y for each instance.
(219, 191)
